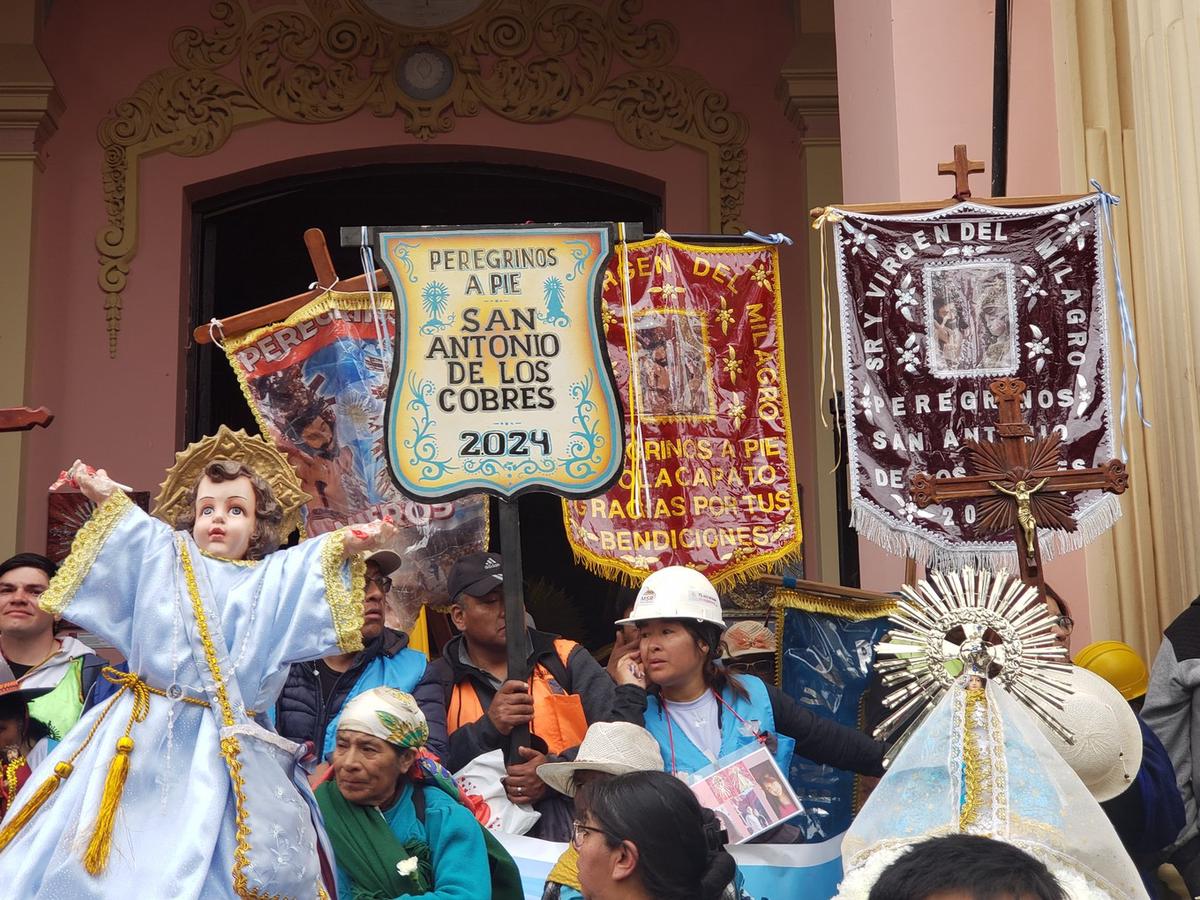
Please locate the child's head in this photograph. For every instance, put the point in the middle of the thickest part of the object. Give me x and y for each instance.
(232, 512)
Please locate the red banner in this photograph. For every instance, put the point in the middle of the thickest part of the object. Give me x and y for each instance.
(708, 479)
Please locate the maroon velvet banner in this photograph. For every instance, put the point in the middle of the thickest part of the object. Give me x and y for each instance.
(933, 308)
(708, 479)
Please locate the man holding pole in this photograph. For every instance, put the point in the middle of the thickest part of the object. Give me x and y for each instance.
(473, 707)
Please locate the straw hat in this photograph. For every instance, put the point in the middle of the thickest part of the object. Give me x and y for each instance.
(612, 747)
(1107, 752)
(748, 637)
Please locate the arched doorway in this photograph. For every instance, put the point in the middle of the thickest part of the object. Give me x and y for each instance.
(247, 250)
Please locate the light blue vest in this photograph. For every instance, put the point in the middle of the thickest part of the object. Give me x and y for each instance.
(401, 672)
(689, 758)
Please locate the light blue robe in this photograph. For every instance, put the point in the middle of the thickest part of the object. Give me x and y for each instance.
(175, 828)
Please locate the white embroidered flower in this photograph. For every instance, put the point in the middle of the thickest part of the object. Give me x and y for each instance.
(860, 240)
(906, 296)
(909, 356)
(1085, 397)
(1038, 347)
(909, 510)
(407, 867)
(867, 403)
(1033, 286)
(1073, 228)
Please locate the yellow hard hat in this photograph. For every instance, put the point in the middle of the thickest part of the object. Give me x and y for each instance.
(1118, 664)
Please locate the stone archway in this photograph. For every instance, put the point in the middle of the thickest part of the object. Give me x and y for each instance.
(321, 61)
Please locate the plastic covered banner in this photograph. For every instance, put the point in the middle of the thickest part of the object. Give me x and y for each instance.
(708, 479)
(933, 308)
(500, 382)
(317, 383)
(827, 649)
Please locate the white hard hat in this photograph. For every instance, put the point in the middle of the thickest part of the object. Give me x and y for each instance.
(676, 592)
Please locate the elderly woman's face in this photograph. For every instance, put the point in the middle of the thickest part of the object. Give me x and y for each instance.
(368, 769)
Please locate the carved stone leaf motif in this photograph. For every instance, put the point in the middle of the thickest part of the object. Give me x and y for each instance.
(547, 86)
(320, 61)
(999, 513)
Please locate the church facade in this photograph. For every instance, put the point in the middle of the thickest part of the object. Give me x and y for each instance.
(133, 141)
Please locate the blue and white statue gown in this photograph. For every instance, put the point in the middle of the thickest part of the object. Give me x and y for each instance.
(175, 834)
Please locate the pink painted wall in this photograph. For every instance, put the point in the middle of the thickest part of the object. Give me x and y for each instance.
(914, 79)
(126, 413)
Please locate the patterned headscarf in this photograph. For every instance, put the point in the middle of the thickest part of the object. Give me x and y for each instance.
(387, 714)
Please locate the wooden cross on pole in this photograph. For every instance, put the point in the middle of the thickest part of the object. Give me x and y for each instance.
(1018, 482)
(961, 168)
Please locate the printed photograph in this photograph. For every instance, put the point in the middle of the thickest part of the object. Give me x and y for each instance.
(971, 317)
(749, 794)
(675, 378)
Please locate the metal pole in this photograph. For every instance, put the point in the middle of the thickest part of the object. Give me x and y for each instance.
(516, 636)
(1000, 80)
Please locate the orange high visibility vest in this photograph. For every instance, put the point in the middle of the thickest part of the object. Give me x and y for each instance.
(558, 717)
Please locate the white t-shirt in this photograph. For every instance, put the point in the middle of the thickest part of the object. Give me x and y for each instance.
(698, 719)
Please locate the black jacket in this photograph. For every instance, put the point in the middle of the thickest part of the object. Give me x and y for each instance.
(602, 700)
(301, 714)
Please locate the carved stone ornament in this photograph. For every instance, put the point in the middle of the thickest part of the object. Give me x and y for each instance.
(321, 61)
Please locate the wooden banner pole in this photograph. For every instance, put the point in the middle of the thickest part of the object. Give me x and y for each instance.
(516, 635)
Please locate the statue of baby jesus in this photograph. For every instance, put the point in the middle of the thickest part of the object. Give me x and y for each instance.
(174, 787)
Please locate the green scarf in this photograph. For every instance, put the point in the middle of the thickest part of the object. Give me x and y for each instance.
(368, 851)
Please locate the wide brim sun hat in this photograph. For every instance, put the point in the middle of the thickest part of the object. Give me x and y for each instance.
(615, 748)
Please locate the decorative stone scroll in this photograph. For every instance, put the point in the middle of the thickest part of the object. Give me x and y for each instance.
(322, 61)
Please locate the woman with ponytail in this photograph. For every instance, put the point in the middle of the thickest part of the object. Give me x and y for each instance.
(699, 712)
(643, 836)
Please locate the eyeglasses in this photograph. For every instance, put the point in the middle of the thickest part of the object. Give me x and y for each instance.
(381, 581)
(1066, 623)
(578, 830)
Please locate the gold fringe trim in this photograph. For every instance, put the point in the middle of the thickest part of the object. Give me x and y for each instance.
(851, 610)
(345, 603)
(757, 564)
(10, 777)
(84, 549)
(247, 563)
(327, 302)
(616, 569)
(854, 610)
(976, 778)
(230, 748)
(353, 301)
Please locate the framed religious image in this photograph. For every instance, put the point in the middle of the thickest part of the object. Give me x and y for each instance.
(747, 792)
(674, 371)
(971, 316)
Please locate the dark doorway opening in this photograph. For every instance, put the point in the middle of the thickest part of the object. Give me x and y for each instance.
(248, 250)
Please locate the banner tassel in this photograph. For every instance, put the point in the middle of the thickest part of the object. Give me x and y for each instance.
(828, 362)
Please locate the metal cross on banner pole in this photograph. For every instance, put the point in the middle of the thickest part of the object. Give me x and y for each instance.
(500, 380)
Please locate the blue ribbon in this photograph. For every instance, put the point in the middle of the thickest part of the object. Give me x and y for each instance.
(1107, 202)
(777, 237)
